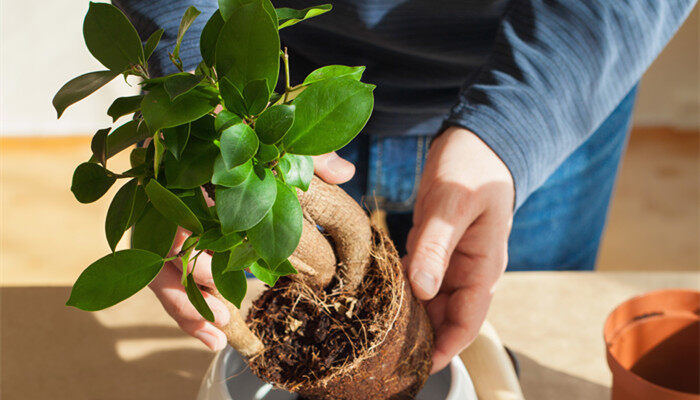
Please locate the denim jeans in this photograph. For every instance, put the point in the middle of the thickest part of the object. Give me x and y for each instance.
(559, 226)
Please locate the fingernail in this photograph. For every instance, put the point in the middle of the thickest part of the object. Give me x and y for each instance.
(338, 165)
(210, 339)
(425, 281)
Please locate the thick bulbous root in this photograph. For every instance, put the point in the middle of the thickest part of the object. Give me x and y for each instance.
(313, 258)
(239, 335)
(348, 226)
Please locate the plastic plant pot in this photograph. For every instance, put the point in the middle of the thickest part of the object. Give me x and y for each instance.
(228, 378)
(653, 346)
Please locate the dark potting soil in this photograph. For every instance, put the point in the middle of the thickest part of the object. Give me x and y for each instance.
(306, 335)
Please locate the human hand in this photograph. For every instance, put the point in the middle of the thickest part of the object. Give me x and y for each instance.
(169, 290)
(457, 248)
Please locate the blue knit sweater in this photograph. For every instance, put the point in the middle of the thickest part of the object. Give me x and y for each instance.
(532, 78)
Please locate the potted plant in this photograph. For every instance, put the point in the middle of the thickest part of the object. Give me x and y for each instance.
(339, 320)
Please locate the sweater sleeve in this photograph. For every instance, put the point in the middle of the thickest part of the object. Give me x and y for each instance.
(150, 15)
(558, 68)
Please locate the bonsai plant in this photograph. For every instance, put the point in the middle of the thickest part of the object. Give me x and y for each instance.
(339, 320)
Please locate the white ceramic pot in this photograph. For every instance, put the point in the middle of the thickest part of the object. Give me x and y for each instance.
(228, 378)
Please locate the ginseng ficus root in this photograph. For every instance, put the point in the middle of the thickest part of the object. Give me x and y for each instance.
(347, 326)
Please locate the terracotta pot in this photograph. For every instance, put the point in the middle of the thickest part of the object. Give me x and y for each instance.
(653, 346)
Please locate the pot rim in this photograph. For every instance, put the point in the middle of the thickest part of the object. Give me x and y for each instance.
(612, 333)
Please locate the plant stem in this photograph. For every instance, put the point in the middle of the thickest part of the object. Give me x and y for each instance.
(287, 84)
(194, 260)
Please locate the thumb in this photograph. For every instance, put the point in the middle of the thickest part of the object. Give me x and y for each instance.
(333, 169)
(429, 256)
(432, 241)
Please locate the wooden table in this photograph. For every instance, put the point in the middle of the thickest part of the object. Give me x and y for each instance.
(553, 321)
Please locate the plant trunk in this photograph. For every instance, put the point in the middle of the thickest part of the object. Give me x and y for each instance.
(345, 330)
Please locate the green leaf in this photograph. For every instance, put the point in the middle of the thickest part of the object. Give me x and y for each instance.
(285, 268)
(263, 272)
(179, 84)
(216, 241)
(160, 111)
(204, 70)
(289, 16)
(172, 207)
(230, 177)
(137, 157)
(126, 135)
(113, 278)
(158, 153)
(188, 248)
(297, 170)
(232, 285)
(152, 43)
(120, 212)
(228, 7)
(123, 106)
(197, 299)
(204, 128)
(334, 71)
(274, 122)
(266, 153)
(232, 97)
(111, 38)
(194, 168)
(328, 115)
(248, 46)
(90, 182)
(241, 257)
(79, 88)
(187, 19)
(225, 119)
(274, 97)
(98, 145)
(209, 36)
(176, 138)
(153, 232)
(140, 202)
(238, 145)
(256, 95)
(241, 207)
(277, 235)
(198, 204)
(147, 84)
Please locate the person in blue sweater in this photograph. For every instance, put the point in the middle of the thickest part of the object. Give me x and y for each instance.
(497, 133)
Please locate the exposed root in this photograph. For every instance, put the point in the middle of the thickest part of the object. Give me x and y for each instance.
(347, 224)
(338, 330)
(314, 257)
(239, 335)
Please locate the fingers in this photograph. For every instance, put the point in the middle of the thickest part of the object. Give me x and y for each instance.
(444, 219)
(202, 272)
(460, 308)
(461, 313)
(169, 290)
(333, 169)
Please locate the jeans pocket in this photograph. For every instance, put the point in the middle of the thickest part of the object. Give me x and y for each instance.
(394, 170)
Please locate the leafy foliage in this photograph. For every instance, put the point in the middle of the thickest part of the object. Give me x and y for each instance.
(221, 127)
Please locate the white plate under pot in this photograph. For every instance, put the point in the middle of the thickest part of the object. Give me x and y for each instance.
(228, 378)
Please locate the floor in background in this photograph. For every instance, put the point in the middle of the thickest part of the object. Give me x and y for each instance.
(48, 238)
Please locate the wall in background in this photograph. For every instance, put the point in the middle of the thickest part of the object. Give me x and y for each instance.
(41, 47)
(669, 95)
